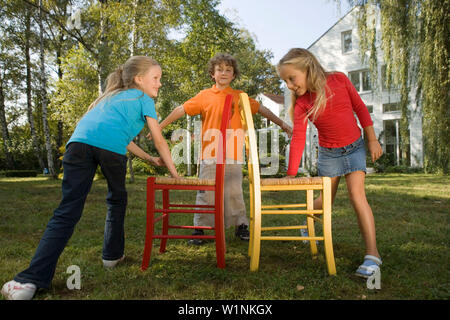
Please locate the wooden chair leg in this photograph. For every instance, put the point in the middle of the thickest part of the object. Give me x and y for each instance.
(165, 221)
(220, 233)
(310, 221)
(256, 237)
(150, 224)
(252, 221)
(328, 240)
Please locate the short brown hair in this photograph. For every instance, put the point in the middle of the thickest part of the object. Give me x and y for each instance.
(225, 58)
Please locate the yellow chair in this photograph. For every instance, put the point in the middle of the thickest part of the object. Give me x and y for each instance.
(257, 210)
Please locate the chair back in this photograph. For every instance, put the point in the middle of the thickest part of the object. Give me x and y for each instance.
(250, 144)
(222, 145)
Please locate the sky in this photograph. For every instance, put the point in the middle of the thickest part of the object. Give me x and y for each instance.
(279, 25)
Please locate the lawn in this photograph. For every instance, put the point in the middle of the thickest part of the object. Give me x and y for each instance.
(412, 219)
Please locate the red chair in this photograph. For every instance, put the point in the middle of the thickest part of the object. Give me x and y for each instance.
(166, 184)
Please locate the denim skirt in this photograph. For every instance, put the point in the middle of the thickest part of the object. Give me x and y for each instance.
(334, 162)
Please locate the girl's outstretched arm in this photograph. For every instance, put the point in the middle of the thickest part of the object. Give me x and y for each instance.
(176, 114)
(372, 143)
(138, 152)
(161, 146)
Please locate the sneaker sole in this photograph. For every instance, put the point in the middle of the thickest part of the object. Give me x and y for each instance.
(112, 264)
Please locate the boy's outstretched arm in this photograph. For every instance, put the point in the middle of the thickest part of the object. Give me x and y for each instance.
(272, 117)
(176, 114)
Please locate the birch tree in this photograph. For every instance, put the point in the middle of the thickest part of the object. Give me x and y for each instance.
(44, 98)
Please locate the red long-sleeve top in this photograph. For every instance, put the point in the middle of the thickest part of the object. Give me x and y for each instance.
(336, 124)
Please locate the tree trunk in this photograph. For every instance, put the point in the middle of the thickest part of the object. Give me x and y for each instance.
(59, 138)
(34, 136)
(132, 52)
(48, 144)
(4, 127)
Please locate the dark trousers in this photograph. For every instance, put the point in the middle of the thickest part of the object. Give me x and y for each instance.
(80, 163)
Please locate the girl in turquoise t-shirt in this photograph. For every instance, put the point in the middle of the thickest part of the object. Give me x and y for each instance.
(101, 137)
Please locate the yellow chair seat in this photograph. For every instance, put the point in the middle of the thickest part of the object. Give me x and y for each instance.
(291, 181)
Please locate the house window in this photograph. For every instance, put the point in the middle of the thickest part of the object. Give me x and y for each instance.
(370, 108)
(391, 107)
(396, 152)
(354, 78)
(361, 80)
(365, 75)
(346, 41)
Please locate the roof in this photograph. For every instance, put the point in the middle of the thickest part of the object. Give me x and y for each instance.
(274, 97)
(332, 27)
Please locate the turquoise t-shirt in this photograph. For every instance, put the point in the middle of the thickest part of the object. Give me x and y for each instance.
(115, 121)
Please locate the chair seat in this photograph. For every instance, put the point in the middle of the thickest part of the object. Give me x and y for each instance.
(161, 210)
(292, 181)
(259, 210)
(185, 181)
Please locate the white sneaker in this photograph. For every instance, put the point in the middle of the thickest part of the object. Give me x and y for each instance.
(14, 290)
(112, 263)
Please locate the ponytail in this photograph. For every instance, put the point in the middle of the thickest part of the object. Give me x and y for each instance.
(123, 77)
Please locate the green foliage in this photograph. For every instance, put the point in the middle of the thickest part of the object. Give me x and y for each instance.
(415, 43)
(434, 74)
(386, 164)
(107, 34)
(76, 90)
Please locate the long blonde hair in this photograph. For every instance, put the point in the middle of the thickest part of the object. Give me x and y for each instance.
(316, 79)
(123, 77)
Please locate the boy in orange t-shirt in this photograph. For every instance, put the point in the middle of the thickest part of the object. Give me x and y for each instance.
(209, 104)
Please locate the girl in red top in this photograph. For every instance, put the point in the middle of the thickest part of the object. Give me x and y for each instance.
(329, 100)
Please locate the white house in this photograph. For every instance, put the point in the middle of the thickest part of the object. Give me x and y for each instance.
(337, 50)
(273, 102)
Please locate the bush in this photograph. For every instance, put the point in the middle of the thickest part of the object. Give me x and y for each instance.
(20, 173)
(402, 169)
(386, 164)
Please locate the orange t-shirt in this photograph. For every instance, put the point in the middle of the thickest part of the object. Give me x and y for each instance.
(209, 104)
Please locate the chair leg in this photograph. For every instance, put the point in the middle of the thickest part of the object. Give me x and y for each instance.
(310, 221)
(220, 233)
(252, 220)
(165, 221)
(328, 239)
(255, 238)
(256, 246)
(150, 225)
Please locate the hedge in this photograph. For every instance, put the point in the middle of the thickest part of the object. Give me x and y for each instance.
(20, 173)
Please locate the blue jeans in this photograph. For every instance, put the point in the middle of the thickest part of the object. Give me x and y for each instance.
(80, 163)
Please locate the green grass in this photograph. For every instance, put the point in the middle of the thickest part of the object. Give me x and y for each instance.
(412, 219)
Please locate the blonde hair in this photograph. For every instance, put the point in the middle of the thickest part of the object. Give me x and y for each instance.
(123, 77)
(316, 79)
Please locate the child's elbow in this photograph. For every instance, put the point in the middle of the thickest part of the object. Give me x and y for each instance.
(159, 141)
